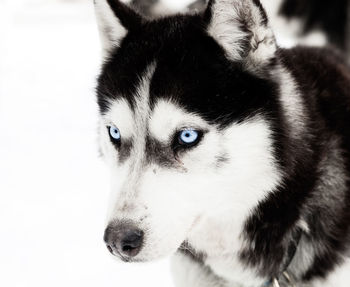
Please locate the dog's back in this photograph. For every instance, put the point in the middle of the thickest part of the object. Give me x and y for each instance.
(324, 78)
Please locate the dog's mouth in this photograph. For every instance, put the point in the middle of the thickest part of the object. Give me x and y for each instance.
(132, 260)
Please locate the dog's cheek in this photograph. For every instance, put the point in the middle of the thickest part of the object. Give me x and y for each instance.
(206, 157)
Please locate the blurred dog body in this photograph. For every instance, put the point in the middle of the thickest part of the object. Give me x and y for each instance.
(305, 22)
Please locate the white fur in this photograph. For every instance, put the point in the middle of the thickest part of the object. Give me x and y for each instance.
(111, 30)
(339, 278)
(291, 101)
(225, 28)
(187, 273)
(247, 179)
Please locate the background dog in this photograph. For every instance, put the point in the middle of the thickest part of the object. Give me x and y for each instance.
(308, 22)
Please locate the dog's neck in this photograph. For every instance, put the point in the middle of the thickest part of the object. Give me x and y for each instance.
(220, 246)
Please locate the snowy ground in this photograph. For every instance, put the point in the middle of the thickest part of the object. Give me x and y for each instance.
(53, 186)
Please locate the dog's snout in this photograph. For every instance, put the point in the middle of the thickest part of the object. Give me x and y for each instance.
(124, 240)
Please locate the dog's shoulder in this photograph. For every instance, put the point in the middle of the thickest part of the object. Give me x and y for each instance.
(324, 66)
(323, 77)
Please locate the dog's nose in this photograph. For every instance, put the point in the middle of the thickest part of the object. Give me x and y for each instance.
(123, 239)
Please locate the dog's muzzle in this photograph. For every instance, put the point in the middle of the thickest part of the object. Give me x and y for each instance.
(123, 240)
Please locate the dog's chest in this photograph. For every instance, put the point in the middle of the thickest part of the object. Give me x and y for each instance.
(220, 242)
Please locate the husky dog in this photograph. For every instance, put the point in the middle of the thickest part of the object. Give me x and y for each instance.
(224, 149)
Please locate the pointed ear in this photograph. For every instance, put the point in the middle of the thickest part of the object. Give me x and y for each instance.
(241, 27)
(115, 20)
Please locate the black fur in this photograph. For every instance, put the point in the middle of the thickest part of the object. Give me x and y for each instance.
(128, 17)
(326, 81)
(192, 70)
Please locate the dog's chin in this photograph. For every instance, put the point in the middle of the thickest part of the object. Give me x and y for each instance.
(125, 259)
(152, 258)
(139, 259)
(149, 258)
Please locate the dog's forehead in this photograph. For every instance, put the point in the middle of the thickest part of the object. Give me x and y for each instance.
(167, 117)
(189, 69)
(159, 119)
(183, 52)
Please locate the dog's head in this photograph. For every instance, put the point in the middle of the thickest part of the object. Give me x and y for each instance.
(186, 108)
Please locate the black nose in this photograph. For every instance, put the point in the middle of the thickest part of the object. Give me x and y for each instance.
(123, 239)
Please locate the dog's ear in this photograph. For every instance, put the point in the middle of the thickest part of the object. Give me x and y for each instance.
(241, 27)
(115, 20)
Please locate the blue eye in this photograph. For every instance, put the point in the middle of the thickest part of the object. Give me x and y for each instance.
(188, 136)
(114, 133)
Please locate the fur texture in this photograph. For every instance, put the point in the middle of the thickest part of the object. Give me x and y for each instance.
(266, 187)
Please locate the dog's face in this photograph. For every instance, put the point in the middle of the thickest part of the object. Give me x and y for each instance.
(183, 125)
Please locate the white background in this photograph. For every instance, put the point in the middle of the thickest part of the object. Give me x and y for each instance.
(53, 185)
